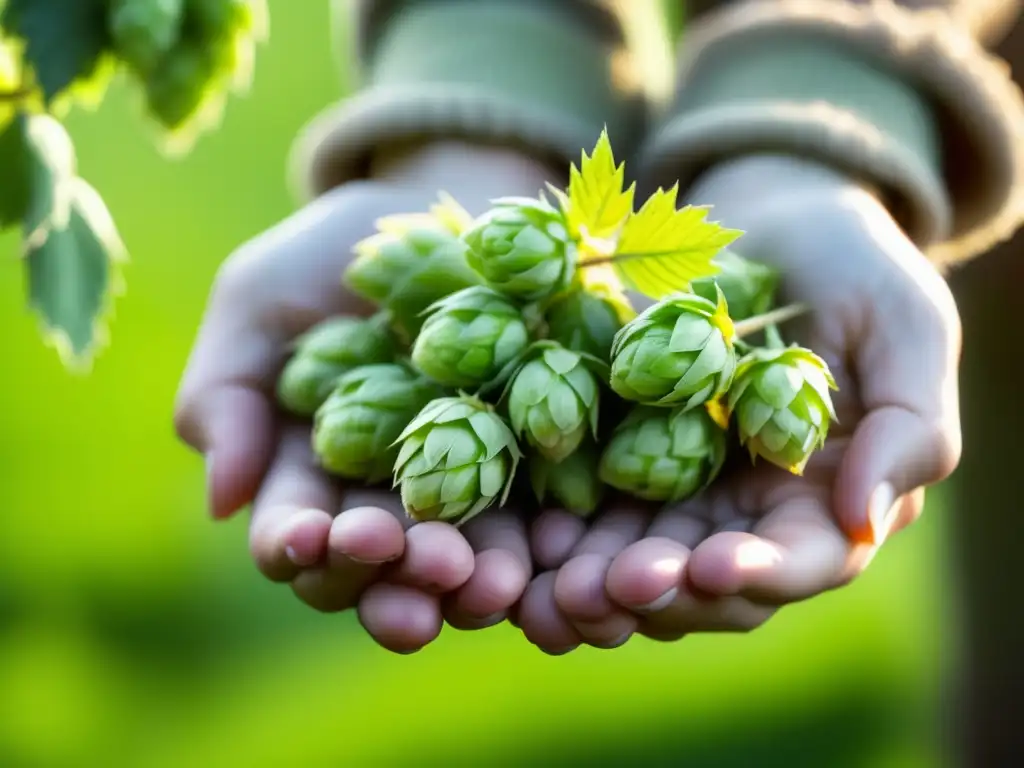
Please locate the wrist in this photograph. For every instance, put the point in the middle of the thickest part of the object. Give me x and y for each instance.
(774, 195)
(474, 171)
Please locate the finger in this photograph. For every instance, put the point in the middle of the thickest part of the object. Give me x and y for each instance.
(910, 436)
(795, 552)
(400, 618)
(292, 515)
(580, 584)
(501, 572)
(689, 613)
(437, 558)
(542, 622)
(648, 577)
(361, 540)
(553, 536)
(266, 293)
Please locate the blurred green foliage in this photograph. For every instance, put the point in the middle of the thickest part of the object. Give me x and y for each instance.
(134, 632)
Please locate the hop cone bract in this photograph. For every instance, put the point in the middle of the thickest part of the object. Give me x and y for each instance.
(678, 352)
(457, 458)
(782, 405)
(327, 351)
(664, 455)
(355, 430)
(584, 321)
(553, 400)
(748, 287)
(574, 482)
(469, 337)
(409, 267)
(522, 248)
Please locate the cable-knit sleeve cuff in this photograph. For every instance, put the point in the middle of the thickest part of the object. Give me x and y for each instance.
(536, 75)
(903, 99)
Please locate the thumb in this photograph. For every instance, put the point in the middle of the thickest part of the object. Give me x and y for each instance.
(910, 436)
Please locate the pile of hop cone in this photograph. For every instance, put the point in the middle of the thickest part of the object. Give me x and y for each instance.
(512, 339)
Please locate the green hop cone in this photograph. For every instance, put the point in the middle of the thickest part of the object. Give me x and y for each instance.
(144, 30)
(553, 401)
(574, 482)
(522, 248)
(457, 458)
(584, 320)
(415, 262)
(177, 88)
(664, 455)
(678, 352)
(782, 404)
(327, 351)
(229, 30)
(749, 288)
(355, 430)
(469, 337)
(219, 19)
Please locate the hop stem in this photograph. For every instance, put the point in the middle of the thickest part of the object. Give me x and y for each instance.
(769, 319)
(773, 337)
(14, 96)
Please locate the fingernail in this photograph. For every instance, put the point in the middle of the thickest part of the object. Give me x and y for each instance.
(490, 621)
(882, 512)
(659, 604)
(558, 651)
(617, 642)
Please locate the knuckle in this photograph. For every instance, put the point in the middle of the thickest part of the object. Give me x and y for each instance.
(238, 276)
(946, 444)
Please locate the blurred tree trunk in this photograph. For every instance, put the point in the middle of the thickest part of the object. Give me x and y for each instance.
(987, 541)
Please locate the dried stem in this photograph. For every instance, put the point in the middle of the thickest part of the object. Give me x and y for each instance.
(776, 316)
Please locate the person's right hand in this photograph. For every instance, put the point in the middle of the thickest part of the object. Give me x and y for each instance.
(342, 546)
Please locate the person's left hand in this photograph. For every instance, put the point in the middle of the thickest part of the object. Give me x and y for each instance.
(759, 538)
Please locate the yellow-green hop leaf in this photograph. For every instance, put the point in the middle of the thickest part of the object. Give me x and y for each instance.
(469, 337)
(457, 458)
(553, 401)
(411, 263)
(144, 30)
(327, 351)
(677, 352)
(598, 203)
(585, 321)
(573, 483)
(522, 248)
(749, 288)
(355, 430)
(664, 455)
(782, 405)
(662, 249)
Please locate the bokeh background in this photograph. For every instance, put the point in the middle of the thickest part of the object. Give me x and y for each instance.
(135, 632)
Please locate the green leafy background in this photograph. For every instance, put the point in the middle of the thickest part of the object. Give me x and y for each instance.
(134, 632)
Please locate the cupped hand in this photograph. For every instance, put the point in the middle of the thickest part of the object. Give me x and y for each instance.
(759, 538)
(341, 546)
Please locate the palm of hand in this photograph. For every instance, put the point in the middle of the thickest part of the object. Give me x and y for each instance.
(760, 538)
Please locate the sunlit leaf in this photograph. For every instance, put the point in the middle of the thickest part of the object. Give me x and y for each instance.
(662, 249)
(65, 39)
(597, 203)
(73, 275)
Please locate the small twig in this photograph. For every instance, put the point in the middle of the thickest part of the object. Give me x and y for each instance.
(776, 316)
